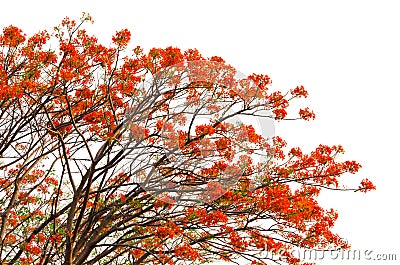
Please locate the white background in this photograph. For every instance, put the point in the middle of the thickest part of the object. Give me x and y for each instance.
(346, 53)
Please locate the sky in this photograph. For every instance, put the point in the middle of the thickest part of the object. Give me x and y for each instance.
(345, 53)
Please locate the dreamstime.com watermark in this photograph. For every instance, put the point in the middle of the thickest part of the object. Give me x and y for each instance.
(314, 255)
(350, 254)
(190, 102)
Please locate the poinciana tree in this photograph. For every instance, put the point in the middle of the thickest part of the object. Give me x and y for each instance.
(109, 157)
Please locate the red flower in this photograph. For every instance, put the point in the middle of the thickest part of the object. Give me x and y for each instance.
(122, 38)
(202, 130)
(366, 185)
(306, 114)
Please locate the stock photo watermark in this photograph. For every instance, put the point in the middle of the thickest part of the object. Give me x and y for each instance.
(344, 255)
(199, 118)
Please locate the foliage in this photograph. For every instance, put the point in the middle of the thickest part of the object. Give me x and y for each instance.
(101, 166)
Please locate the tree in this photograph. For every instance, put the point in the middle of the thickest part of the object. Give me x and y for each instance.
(111, 158)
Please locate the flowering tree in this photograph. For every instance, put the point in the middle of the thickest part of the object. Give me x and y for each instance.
(145, 158)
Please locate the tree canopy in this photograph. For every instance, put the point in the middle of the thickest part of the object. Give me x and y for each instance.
(117, 156)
